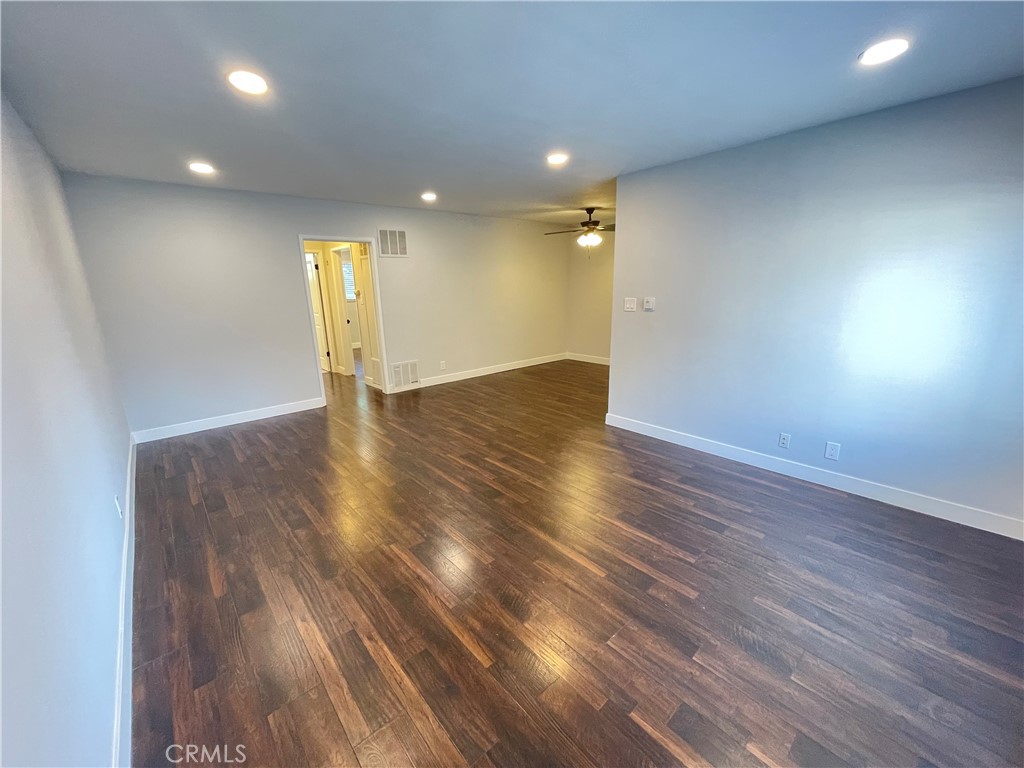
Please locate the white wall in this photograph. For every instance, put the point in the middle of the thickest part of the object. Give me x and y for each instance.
(589, 303)
(203, 303)
(65, 450)
(858, 282)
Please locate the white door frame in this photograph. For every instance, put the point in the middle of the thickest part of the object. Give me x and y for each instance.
(327, 295)
(324, 301)
(371, 243)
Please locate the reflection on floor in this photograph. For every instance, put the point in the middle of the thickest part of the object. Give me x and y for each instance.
(483, 573)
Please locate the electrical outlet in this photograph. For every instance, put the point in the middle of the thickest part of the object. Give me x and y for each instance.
(783, 440)
(444, 365)
(117, 503)
(832, 451)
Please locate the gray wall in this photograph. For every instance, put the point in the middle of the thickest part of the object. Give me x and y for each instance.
(858, 282)
(64, 459)
(589, 304)
(202, 296)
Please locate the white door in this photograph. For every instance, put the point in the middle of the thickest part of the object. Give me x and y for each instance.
(313, 275)
(367, 305)
(345, 316)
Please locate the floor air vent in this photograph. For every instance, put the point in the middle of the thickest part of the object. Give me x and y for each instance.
(392, 242)
(405, 374)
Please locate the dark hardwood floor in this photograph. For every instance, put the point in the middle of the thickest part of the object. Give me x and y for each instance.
(483, 573)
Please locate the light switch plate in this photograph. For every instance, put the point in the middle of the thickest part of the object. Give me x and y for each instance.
(630, 304)
(648, 303)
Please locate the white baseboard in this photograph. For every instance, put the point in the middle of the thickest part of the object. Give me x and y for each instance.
(188, 427)
(474, 372)
(928, 505)
(122, 703)
(587, 358)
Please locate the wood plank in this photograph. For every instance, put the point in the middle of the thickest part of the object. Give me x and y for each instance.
(483, 573)
(308, 733)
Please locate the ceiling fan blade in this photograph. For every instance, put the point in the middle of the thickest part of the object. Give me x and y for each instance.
(609, 228)
(564, 231)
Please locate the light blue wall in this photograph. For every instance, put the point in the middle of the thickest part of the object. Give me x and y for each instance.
(65, 448)
(859, 282)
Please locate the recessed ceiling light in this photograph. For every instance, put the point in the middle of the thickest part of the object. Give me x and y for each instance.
(887, 50)
(248, 82)
(201, 167)
(558, 158)
(429, 196)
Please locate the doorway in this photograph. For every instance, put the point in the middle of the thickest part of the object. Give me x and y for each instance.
(343, 299)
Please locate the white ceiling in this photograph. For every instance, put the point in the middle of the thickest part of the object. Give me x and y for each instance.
(378, 102)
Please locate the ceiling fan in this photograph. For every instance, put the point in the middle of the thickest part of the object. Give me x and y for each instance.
(589, 229)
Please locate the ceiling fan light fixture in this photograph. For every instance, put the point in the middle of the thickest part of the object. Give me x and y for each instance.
(589, 239)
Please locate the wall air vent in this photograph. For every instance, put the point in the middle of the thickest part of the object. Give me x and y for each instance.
(392, 242)
(405, 375)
